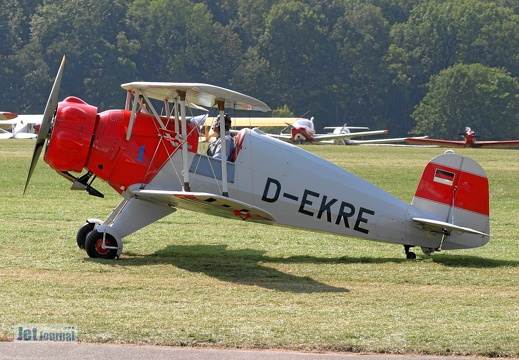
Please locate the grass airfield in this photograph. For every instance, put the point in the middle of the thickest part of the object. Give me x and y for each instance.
(196, 280)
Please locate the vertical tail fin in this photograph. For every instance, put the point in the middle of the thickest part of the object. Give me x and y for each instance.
(454, 190)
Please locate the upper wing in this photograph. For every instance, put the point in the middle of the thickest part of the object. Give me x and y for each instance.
(321, 137)
(442, 143)
(200, 94)
(205, 203)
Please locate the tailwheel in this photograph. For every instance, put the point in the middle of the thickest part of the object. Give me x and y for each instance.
(101, 245)
(84, 231)
(409, 254)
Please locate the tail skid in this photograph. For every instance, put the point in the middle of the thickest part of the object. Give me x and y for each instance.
(454, 190)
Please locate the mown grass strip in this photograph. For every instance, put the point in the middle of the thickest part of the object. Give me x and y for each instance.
(258, 286)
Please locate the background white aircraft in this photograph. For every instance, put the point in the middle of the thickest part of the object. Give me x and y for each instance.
(303, 131)
(19, 126)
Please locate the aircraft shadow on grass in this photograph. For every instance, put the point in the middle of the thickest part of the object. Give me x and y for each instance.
(241, 266)
(470, 261)
(245, 266)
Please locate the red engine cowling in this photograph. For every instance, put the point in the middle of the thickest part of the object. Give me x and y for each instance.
(73, 128)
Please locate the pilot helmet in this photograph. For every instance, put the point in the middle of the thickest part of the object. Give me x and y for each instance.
(216, 122)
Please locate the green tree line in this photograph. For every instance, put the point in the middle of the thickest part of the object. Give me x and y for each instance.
(411, 66)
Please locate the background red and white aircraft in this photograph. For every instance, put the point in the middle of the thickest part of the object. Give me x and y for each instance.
(303, 131)
(19, 126)
(469, 142)
(153, 162)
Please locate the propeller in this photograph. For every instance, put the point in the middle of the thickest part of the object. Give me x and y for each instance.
(48, 114)
(306, 134)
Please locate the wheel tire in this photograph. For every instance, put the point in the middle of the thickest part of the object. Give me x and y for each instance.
(93, 243)
(411, 256)
(82, 234)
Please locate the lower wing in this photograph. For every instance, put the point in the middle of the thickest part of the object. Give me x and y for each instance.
(205, 203)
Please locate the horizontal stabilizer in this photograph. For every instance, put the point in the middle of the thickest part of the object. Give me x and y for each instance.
(206, 203)
(442, 227)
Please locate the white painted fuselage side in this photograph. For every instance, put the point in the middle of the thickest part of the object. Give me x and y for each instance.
(302, 190)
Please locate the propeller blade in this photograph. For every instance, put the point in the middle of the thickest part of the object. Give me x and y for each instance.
(48, 114)
(306, 134)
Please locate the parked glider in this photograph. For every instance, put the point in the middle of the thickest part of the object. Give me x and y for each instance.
(469, 142)
(152, 162)
(303, 131)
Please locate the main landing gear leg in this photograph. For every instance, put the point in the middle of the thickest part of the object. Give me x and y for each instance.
(409, 254)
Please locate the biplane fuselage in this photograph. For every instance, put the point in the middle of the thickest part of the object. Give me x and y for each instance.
(287, 182)
(280, 178)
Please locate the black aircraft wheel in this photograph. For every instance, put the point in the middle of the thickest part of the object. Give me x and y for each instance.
(82, 234)
(410, 255)
(94, 245)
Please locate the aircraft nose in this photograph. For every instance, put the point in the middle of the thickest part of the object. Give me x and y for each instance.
(71, 135)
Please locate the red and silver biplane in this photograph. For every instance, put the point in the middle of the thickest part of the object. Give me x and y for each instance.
(153, 163)
(469, 142)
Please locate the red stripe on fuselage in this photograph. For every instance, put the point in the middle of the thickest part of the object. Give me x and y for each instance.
(470, 191)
